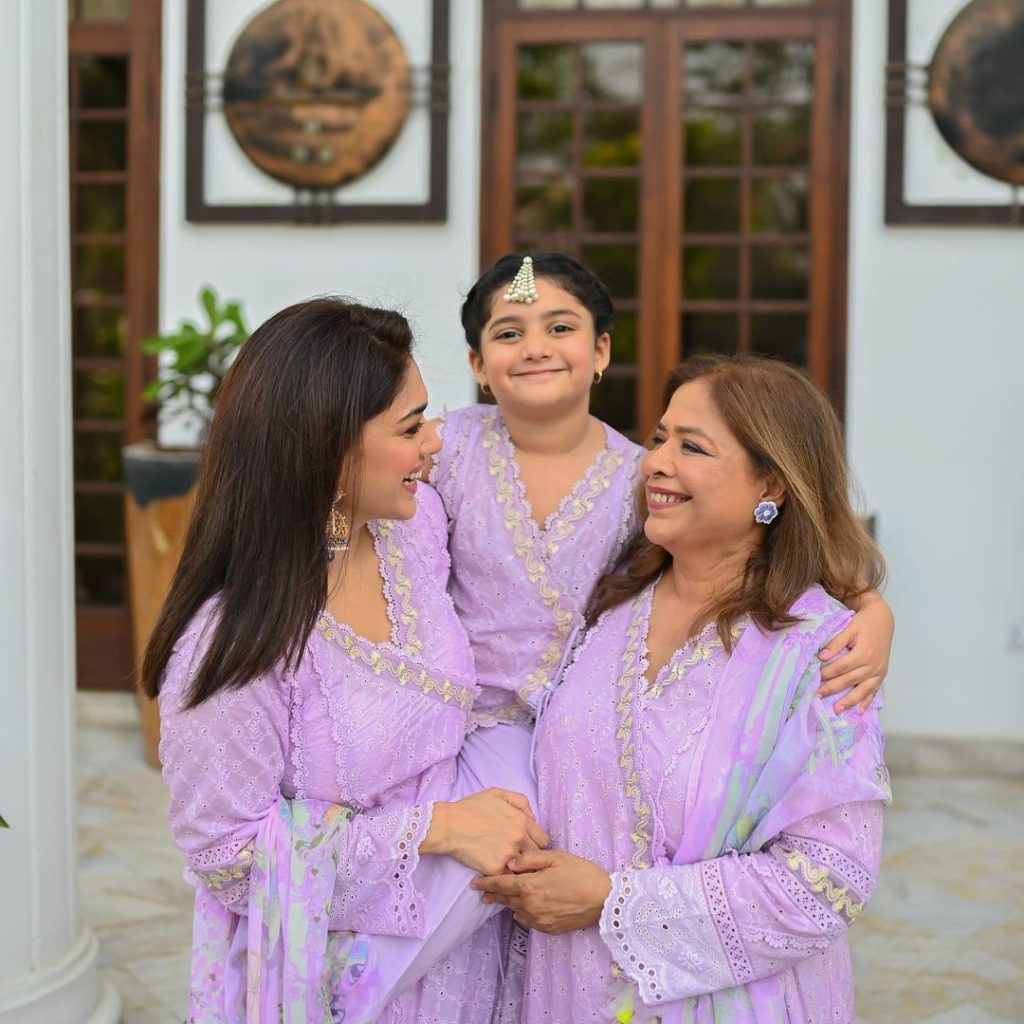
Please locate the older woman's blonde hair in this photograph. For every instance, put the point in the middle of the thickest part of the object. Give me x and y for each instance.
(789, 428)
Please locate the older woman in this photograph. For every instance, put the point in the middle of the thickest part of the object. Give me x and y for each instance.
(715, 826)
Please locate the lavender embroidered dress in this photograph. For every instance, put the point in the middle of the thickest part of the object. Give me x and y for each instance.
(520, 589)
(739, 816)
(300, 801)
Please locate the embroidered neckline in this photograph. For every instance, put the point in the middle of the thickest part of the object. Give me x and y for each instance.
(632, 662)
(697, 648)
(557, 526)
(397, 587)
(531, 545)
(387, 658)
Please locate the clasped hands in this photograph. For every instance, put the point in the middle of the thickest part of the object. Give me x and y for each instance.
(549, 890)
(496, 833)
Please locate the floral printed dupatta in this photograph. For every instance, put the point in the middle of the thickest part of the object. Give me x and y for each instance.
(279, 964)
(773, 753)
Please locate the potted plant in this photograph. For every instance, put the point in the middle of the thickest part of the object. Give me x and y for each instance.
(192, 360)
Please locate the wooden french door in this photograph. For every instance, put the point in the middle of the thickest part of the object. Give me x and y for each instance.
(694, 155)
(114, 81)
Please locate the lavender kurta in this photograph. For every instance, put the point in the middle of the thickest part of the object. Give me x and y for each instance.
(300, 801)
(739, 816)
(519, 589)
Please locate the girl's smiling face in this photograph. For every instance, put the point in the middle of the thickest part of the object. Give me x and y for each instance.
(541, 355)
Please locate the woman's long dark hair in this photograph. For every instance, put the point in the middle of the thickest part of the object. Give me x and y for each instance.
(288, 422)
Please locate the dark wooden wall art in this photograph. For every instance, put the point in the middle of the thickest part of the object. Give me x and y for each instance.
(315, 93)
(974, 90)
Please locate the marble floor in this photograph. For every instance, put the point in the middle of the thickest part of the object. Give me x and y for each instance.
(942, 942)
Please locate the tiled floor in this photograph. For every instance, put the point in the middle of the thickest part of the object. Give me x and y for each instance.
(941, 943)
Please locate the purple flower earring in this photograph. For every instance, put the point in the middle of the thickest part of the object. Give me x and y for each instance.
(766, 512)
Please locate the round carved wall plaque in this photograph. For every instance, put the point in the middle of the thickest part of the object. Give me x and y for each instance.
(316, 91)
(976, 87)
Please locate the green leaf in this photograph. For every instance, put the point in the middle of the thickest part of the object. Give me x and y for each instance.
(209, 299)
(3, 824)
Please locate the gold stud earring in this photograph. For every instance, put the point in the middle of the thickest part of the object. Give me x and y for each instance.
(337, 529)
(598, 375)
(485, 388)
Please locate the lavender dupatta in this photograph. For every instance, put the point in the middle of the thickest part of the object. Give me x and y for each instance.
(772, 754)
(295, 970)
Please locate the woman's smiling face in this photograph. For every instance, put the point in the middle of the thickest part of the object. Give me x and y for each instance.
(701, 483)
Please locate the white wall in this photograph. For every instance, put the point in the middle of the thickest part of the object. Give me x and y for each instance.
(936, 429)
(423, 270)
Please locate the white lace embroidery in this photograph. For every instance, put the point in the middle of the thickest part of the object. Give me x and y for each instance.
(660, 931)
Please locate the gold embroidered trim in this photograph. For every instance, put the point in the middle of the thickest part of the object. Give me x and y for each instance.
(700, 650)
(221, 878)
(524, 542)
(819, 881)
(379, 663)
(401, 586)
(641, 834)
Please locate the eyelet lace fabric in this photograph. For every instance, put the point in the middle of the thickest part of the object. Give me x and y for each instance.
(700, 940)
(520, 588)
(374, 731)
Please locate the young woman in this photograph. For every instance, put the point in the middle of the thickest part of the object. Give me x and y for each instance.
(315, 687)
(715, 824)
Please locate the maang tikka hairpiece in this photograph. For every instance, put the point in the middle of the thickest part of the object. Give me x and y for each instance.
(523, 287)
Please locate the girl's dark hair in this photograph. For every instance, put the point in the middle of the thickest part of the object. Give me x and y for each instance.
(789, 428)
(288, 423)
(562, 270)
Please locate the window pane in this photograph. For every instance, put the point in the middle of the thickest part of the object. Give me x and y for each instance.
(779, 272)
(98, 332)
(784, 70)
(102, 82)
(547, 5)
(612, 138)
(97, 456)
(98, 394)
(613, 71)
(711, 272)
(610, 204)
(102, 146)
(614, 401)
(544, 206)
(712, 139)
(710, 332)
(99, 580)
(782, 136)
(783, 335)
(545, 72)
(780, 204)
(713, 72)
(100, 209)
(99, 268)
(624, 339)
(711, 205)
(544, 141)
(616, 265)
(99, 517)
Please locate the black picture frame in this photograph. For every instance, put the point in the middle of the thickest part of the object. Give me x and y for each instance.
(898, 210)
(315, 206)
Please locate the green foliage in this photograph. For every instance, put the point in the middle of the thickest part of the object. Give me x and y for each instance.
(200, 355)
(3, 824)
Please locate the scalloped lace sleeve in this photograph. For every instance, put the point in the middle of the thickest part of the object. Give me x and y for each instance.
(687, 930)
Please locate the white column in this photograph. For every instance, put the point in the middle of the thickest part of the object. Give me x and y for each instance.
(48, 972)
